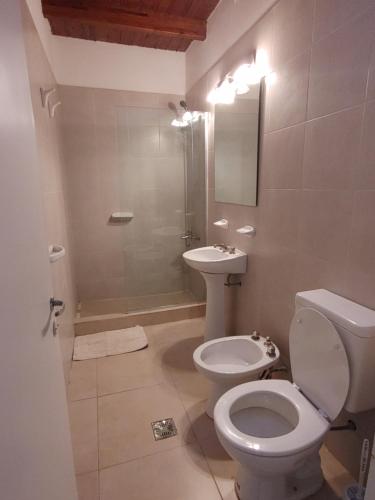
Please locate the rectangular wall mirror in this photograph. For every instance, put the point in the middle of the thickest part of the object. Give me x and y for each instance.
(236, 149)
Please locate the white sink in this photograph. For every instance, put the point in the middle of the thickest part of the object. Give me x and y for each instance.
(215, 265)
(216, 261)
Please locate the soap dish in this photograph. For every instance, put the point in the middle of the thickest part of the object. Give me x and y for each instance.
(56, 252)
(246, 230)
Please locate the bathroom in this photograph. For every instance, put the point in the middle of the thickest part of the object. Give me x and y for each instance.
(133, 136)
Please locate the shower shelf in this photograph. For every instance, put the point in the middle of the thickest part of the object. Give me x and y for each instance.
(121, 216)
(56, 252)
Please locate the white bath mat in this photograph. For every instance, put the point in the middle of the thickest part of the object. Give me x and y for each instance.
(98, 345)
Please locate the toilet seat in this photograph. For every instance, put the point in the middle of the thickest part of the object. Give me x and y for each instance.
(308, 428)
(233, 356)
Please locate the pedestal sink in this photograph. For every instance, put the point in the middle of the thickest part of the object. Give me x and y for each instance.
(215, 263)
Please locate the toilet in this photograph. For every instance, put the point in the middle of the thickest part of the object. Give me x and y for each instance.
(274, 428)
(230, 361)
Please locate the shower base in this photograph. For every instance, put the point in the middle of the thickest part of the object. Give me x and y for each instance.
(111, 314)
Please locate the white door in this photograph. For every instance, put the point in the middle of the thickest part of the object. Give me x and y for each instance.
(35, 448)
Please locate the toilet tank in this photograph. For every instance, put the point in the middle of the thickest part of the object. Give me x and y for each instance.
(356, 327)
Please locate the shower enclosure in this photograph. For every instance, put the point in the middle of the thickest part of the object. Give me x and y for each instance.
(161, 186)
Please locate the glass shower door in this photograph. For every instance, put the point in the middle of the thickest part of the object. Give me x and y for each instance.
(157, 187)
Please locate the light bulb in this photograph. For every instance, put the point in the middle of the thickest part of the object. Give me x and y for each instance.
(213, 96)
(262, 63)
(187, 116)
(179, 123)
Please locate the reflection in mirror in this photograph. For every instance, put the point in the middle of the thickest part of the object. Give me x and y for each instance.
(236, 149)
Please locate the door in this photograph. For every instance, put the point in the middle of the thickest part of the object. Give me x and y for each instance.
(35, 448)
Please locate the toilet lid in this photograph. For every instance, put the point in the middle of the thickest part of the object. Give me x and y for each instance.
(319, 363)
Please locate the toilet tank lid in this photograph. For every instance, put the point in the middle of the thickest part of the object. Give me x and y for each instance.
(355, 318)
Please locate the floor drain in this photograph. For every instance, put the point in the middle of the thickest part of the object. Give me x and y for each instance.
(164, 429)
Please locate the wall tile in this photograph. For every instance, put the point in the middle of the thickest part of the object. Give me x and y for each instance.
(288, 95)
(324, 224)
(365, 173)
(279, 216)
(332, 150)
(339, 67)
(281, 159)
(361, 262)
(331, 14)
(371, 77)
(293, 22)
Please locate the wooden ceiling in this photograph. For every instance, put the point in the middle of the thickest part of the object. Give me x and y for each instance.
(159, 24)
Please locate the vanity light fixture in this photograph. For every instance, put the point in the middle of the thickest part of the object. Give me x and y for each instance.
(225, 93)
(243, 77)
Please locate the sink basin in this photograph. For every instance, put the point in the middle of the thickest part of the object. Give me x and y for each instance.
(214, 260)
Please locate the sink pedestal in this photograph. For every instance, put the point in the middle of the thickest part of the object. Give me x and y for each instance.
(215, 263)
(215, 306)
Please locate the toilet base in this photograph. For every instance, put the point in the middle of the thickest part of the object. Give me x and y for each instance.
(216, 391)
(305, 481)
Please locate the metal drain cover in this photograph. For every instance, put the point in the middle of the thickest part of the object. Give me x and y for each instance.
(164, 429)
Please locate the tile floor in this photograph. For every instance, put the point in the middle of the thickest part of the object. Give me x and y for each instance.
(113, 402)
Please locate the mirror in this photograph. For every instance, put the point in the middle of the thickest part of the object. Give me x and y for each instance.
(236, 149)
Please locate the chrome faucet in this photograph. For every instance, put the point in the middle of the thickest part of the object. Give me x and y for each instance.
(225, 248)
(221, 246)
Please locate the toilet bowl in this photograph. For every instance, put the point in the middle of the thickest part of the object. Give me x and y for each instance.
(275, 434)
(230, 361)
(274, 428)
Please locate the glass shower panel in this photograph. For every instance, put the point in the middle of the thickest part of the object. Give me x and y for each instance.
(152, 187)
(196, 204)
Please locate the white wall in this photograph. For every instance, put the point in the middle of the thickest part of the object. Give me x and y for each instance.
(229, 21)
(119, 67)
(108, 65)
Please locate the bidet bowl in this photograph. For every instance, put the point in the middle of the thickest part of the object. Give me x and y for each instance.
(214, 260)
(230, 361)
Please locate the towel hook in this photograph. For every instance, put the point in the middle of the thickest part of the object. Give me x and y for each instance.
(46, 94)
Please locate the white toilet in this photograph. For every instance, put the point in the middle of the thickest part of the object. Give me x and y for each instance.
(274, 428)
(229, 361)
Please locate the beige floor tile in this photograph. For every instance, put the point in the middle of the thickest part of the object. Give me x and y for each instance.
(88, 486)
(83, 421)
(223, 468)
(82, 383)
(192, 386)
(130, 371)
(202, 425)
(176, 331)
(125, 423)
(177, 359)
(178, 474)
(337, 477)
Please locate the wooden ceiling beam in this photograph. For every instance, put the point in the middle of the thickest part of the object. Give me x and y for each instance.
(146, 22)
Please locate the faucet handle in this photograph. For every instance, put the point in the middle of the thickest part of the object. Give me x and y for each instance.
(271, 351)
